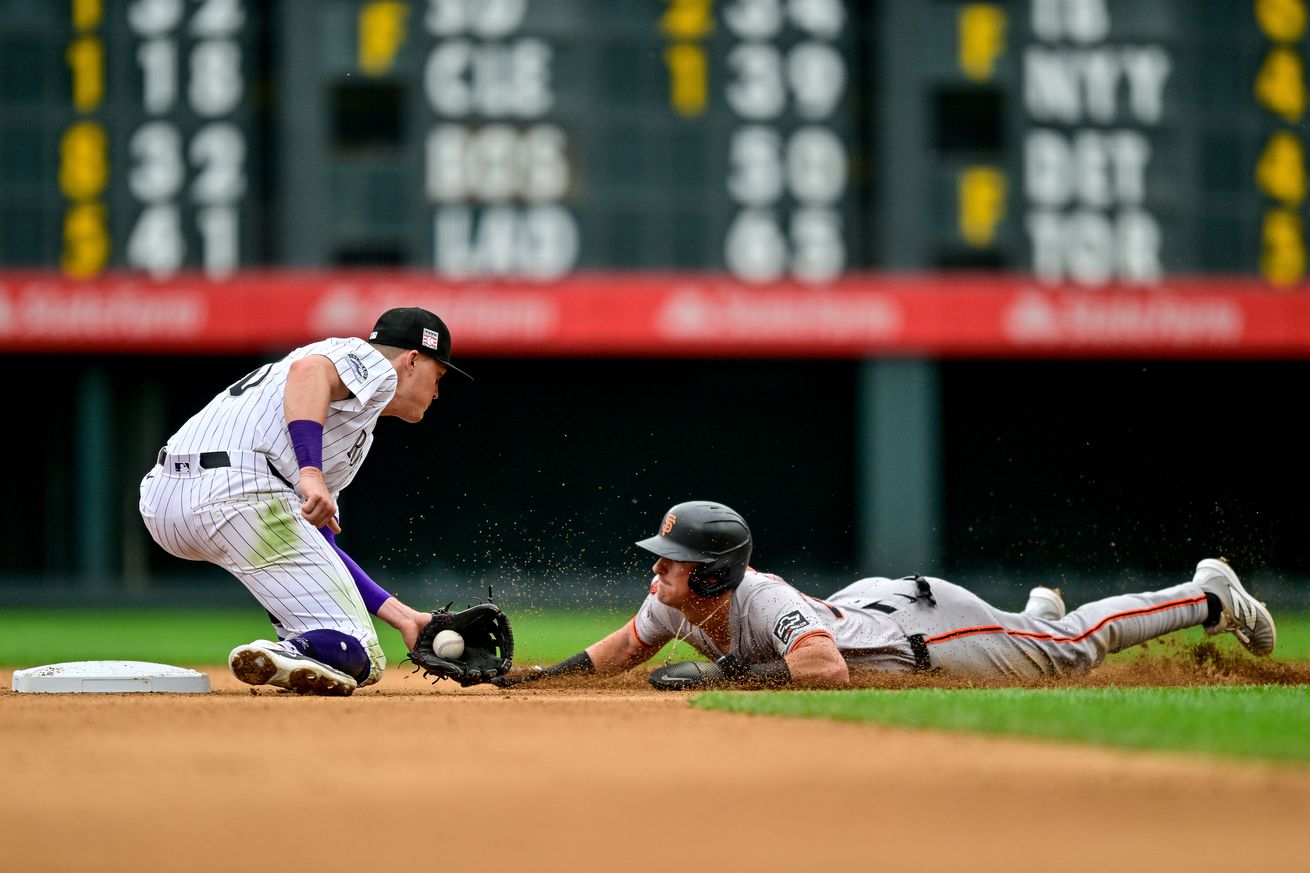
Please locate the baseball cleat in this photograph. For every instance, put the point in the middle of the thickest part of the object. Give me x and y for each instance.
(1045, 603)
(1243, 616)
(266, 663)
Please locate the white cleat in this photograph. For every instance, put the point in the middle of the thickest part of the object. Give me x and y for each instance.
(1243, 616)
(266, 663)
(1045, 603)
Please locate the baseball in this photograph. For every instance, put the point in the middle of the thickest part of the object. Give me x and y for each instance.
(447, 644)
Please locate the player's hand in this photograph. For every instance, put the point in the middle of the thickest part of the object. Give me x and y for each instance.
(410, 622)
(318, 508)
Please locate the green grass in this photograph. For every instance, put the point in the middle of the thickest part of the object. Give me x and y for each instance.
(1263, 722)
(30, 638)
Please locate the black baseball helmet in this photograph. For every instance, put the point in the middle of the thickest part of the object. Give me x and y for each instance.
(709, 534)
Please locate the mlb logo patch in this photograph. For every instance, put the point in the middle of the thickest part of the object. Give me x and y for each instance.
(430, 338)
(181, 466)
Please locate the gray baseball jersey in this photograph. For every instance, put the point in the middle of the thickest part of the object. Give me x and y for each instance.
(872, 622)
(220, 492)
(768, 618)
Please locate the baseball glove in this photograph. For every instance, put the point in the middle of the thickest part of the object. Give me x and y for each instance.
(488, 645)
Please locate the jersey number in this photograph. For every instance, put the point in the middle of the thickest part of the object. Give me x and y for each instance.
(358, 447)
(250, 380)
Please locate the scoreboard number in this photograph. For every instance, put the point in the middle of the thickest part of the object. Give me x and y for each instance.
(1280, 172)
(84, 150)
(1280, 84)
(187, 158)
(787, 167)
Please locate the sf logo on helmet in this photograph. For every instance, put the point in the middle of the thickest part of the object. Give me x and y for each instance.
(669, 521)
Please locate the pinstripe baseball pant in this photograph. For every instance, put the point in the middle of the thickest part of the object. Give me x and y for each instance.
(241, 518)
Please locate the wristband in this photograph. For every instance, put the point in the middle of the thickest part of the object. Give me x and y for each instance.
(579, 664)
(307, 440)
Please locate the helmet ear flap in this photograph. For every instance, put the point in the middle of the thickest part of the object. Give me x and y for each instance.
(709, 580)
(704, 583)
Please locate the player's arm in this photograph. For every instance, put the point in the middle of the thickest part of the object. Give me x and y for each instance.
(619, 651)
(410, 622)
(815, 661)
(312, 383)
(378, 600)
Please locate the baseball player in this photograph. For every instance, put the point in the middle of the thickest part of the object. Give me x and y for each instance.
(758, 630)
(251, 483)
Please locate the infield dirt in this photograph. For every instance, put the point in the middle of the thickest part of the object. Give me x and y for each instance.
(599, 775)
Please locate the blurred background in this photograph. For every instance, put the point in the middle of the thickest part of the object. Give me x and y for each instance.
(1007, 292)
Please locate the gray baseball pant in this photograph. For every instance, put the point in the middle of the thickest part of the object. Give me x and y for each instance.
(966, 636)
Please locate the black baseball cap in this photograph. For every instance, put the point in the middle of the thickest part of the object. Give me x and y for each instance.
(410, 327)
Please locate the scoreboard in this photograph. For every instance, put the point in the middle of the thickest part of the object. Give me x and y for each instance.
(1093, 142)
(1074, 142)
(508, 139)
(127, 133)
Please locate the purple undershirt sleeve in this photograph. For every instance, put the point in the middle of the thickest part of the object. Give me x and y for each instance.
(371, 591)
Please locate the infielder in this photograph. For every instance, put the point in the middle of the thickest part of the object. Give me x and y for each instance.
(758, 630)
(251, 483)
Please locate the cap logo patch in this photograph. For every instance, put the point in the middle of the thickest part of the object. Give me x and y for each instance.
(430, 338)
(669, 521)
(373, 335)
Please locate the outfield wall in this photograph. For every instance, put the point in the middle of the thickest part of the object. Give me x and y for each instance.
(541, 474)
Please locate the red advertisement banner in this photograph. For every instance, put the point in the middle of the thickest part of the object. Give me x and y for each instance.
(642, 315)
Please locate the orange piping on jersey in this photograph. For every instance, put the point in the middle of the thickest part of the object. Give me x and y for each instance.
(632, 623)
(836, 613)
(997, 629)
(819, 632)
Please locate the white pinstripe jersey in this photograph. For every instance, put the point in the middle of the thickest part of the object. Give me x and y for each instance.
(248, 415)
(768, 618)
